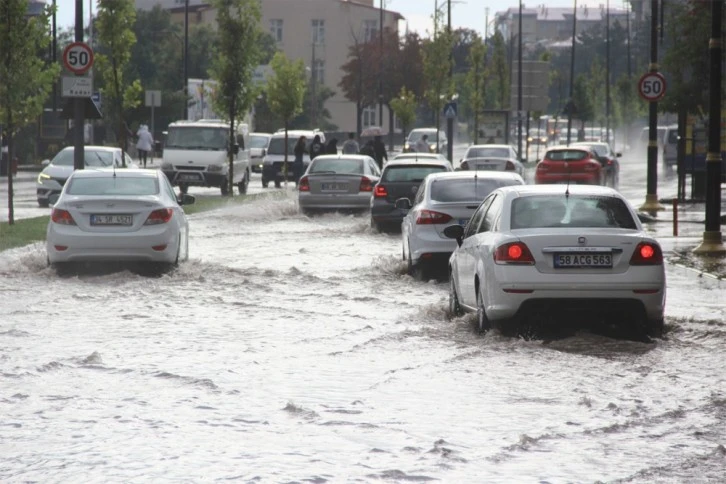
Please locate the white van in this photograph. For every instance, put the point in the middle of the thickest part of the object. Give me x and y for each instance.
(196, 154)
(670, 146)
(274, 159)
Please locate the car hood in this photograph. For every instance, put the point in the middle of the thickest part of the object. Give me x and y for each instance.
(58, 171)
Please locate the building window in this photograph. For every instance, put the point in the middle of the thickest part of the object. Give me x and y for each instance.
(319, 71)
(318, 31)
(370, 29)
(369, 116)
(276, 29)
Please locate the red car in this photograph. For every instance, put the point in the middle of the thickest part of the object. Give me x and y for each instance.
(569, 164)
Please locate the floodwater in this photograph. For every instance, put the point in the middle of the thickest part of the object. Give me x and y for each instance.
(295, 349)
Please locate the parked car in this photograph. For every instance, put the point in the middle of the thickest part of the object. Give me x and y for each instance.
(608, 160)
(338, 182)
(417, 134)
(401, 178)
(443, 199)
(118, 215)
(258, 149)
(56, 171)
(557, 253)
(273, 163)
(571, 165)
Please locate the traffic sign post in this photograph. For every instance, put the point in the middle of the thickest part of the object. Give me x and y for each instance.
(652, 86)
(78, 57)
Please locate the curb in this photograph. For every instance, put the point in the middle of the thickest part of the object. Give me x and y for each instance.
(700, 272)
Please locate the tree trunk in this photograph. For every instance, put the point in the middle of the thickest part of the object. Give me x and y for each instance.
(284, 169)
(358, 121)
(438, 120)
(390, 128)
(11, 151)
(232, 140)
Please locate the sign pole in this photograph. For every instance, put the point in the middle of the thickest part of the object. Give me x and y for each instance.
(153, 104)
(78, 103)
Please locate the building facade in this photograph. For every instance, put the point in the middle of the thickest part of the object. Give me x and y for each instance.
(320, 32)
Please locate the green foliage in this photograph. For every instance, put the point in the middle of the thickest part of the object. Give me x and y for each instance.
(498, 71)
(584, 109)
(404, 107)
(286, 87)
(437, 63)
(22, 232)
(304, 120)
(475, 81)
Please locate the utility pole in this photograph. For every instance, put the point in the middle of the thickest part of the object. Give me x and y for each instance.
(607, 73)
(313, 91)
(449, 119)
(186, 59)
(712, 240)
(519, 86)
(78, 103)
(651, 204)
(571, 104)
(380, 74)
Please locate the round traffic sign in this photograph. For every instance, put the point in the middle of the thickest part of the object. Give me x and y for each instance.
(652, 86)
(78, 57)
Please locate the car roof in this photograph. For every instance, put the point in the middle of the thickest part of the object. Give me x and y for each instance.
(257, 133)
(94, 148)
(560, 189)
(429, 161)
(342, 157)
(491, 146)
(469, 174)
(416, 154)
(298, 132)
(122, 173)
(565, 147)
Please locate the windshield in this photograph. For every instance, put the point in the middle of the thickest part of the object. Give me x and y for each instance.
(337, 165)
(416, 135)
(466, 189)
(277, 145)
(489, 152)
(113, 185)
(574, 211)
(409, 173)
(600, 150)
(257, 141)
(91, 158)
(566, 155)
(197, 138)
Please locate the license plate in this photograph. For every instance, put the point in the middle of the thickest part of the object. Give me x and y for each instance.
(189, 177)
(486, 167)
(334, 186)
(595, 260)
(115, 219)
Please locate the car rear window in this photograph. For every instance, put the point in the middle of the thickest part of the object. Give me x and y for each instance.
(489, 152)
(410, 173)
(337, 165)
(566, 155)
(467, 189)
(113, 186)
(575, 211)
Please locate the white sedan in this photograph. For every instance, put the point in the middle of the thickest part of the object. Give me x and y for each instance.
(118, 215)
(442, 200)
(530, 253)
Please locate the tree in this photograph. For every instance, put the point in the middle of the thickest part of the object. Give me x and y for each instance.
(358, 82)
(404, 107)
(437, 63)
(583, 106)
(322, 121)
(25, 79)
(236, 56)
(499, 71)
(475, 81)
(285, 92)
(114, 30)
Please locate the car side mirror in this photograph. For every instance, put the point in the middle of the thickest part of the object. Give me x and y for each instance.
(53, 198)
(455, 232)
(45, 162)
(264, 152)
(403, 204)
(618, 155)
(187, 199)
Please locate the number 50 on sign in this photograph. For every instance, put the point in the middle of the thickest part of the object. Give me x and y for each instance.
(652, 86)
(78, 57)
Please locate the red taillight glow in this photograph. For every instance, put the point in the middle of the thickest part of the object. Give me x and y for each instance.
(592, 166)
(464, 165)
(513, 253)
(159, 248)
(429, 217)
(62, 217)
(304, 184)
(510, 166)
(60, 248)
(160, 216)
(380, 192)
(365, 184)
(647, 254)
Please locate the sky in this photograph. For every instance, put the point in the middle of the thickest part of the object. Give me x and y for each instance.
(464, 13)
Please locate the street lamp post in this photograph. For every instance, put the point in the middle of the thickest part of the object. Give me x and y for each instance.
(78, 103)
(450, 119)
(519, 85)
(571, 104)
(186, 59)
(607, 73)
(380, 75)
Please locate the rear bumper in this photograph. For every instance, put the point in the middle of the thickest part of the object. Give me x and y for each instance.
(353, 201)
(579, 178)
(201, 178)
(428, 241)
(383, 211)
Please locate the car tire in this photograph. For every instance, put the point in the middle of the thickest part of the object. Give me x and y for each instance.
(265, 183)
(417, 271)
(454, 307)
(183, 188)
(482, 321)
(242, 186)
(654, 328)
(278, 183)
(224, 187)
(43, 203)
(62, 269)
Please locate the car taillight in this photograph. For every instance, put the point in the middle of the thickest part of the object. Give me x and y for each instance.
(62, 217)
(365, 184)
(592, 166)
(464, 165)
(160, 216)
(380, 192)
(542, 166)
(304, 184)
(510, 166)
(513, 253)
(647, 254)
(430, 217)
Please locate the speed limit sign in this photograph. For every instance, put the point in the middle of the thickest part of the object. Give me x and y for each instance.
(78, 57)
(652, 86)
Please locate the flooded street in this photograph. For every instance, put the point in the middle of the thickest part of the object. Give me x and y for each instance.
(296, 349)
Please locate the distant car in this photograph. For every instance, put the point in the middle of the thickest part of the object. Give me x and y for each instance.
(258, 149)
(401, 178)
(338, 182)
(273, 163)
(443, 199)
(415, 155)
(607, 158)
(118, 215)
(558, 254)
(51, 180)
(569, 164)
(417, 134)
(490, 151)
(670, 147)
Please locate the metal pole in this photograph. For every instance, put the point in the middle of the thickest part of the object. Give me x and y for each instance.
(651, 198)
(572, 75)
(607, 74)
(450, 120)
(314, 91)
(78, 148)
(712, 239)
(54, 58)
(519, 86)
(186, 60)
(380, 73)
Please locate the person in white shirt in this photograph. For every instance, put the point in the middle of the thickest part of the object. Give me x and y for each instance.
(422, 145)
(145, 143)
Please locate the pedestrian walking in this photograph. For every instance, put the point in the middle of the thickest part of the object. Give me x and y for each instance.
(332, 148)
(316, 147)
(379, 150)
(368, 149)
(351, 146)
(297, 164)
(144, 143)
(422, 145)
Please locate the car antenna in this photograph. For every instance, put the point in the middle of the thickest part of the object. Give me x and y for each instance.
(114, 167)
(567, 190)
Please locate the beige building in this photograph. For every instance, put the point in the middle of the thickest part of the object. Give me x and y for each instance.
(319, 32)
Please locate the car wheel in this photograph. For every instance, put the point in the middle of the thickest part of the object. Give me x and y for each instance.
(43, 203)
(183, 188)
(483, 323)
(224, 187)
(654, 328)
(277, 183)
(265, 183)
(454, 306)
(242, 186)
(61, 268)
